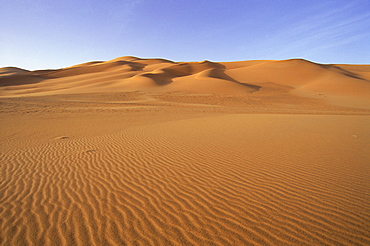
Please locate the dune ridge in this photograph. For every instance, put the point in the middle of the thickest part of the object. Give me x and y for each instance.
(333, 84)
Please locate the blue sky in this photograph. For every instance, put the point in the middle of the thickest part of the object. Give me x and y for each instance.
(38, 34)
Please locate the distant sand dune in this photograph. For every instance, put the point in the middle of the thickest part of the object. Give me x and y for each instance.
(333, 84)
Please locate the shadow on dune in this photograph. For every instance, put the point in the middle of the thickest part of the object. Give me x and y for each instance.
(254, 87)
(160, 79)
(217, 73)
(20, 80)
(344, 72)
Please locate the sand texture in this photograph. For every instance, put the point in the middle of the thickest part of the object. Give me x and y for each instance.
(154, 152)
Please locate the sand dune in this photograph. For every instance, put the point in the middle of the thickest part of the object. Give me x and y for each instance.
(153, 152)
(333, 84)
(9, 71)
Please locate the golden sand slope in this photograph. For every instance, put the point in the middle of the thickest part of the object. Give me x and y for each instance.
(185, 154)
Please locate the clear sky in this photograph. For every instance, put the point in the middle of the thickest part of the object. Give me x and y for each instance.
(38, 34)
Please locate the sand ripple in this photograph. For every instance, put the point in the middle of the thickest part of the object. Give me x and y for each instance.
(225, 180)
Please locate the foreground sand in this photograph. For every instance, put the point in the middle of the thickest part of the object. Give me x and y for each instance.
(88, 172)
(195, 165)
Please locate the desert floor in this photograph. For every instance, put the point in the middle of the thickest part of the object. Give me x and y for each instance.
(173, 168)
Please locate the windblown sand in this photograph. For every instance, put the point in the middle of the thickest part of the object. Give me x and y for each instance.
(151, 152)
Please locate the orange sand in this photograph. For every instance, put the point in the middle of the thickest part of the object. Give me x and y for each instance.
(151, 152)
